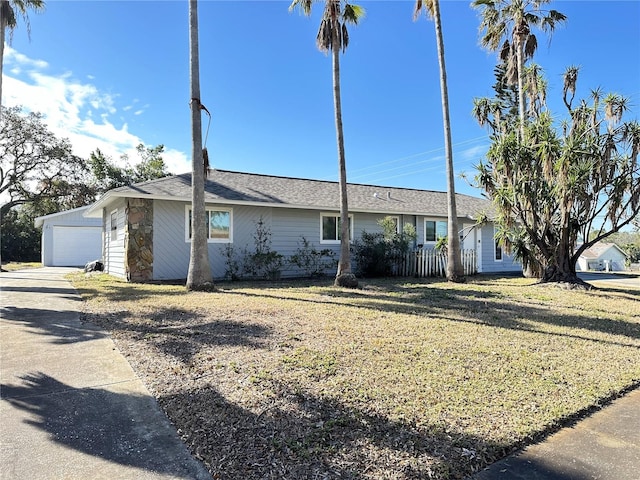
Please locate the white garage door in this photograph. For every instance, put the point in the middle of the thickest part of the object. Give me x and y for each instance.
(75, 246)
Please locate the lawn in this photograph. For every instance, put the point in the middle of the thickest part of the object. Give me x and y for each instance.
(400, 379)
(13, 266)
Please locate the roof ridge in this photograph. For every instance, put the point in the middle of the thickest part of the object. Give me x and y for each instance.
(286, 177)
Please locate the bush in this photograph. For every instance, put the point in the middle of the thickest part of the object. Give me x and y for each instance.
(377, 254)
(263, 262)
(312, 261)
(234, 265)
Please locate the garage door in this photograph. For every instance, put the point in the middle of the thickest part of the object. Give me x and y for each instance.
(75, 246)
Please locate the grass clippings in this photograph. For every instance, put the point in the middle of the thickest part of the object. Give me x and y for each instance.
(401, 379)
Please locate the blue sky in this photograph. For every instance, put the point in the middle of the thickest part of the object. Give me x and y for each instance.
(112, 74)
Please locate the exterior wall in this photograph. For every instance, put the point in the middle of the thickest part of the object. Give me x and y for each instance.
(486, 254)
(70, 219)
(114, 249)
(171, 247)
(171, 250)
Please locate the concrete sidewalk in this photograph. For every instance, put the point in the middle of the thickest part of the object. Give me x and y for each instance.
(71, 407)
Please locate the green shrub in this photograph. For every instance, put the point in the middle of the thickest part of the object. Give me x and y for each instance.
(377, 254)
(313, 262)
(263, 262)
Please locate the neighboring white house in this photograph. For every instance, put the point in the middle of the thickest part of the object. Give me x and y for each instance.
(69, 239)
(602, 257)
(147, 226)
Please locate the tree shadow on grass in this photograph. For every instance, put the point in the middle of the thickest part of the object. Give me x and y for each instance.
(470, 305)
(109, 423)
(120, 291)
(299, 435)
(183, 333)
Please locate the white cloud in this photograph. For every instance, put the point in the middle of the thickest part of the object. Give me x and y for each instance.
(18, 59)
(473, 154)
(76, 110)
(177, 162)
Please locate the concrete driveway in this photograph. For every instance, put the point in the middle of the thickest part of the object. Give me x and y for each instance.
(71, 407)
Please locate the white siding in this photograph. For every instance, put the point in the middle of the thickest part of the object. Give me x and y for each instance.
(487, 254)
(170, 250)
(114, 249)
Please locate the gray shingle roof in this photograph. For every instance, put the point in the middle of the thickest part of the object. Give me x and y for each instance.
(227, 187)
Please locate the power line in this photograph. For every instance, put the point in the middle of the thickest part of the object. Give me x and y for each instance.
(374, 169)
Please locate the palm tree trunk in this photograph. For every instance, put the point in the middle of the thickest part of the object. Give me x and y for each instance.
(455, 272)
(521, 97)
(3, 28)
(344, 276)
(199, 276)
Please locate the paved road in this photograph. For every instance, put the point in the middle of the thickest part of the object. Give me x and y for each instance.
(611, 279)
(71, 407)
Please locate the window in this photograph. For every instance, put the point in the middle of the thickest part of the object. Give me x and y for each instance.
(434, 230)
(114, 225)
(219, 225)
(498, 247)
(330, 228)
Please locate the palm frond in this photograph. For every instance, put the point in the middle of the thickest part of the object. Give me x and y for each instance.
(303, 5)
(353, 13)
(324, 39)
(426, 5)
(505, 51)
(345, 38)
(530, 46)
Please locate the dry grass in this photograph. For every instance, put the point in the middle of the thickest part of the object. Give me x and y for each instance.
(400, 379)
(13, 266)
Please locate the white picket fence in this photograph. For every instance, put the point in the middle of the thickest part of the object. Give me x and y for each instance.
(428, 262)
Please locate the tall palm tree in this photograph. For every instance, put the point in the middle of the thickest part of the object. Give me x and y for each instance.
(199, 275)
(333, 35)
(455, 272)
(10, 10)
(506, 26)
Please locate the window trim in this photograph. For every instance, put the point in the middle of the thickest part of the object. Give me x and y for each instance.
(113, 227)
(187, 210)
(337, 216)
(424, 230)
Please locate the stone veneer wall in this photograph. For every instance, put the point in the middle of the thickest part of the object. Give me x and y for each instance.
(138, 241)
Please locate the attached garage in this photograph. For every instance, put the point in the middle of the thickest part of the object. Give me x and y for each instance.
(69, 239)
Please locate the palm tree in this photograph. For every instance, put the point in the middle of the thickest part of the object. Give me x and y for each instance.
(455, 272)
(333, 35)
(9, 12)
(199, 276)
(506, 26)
